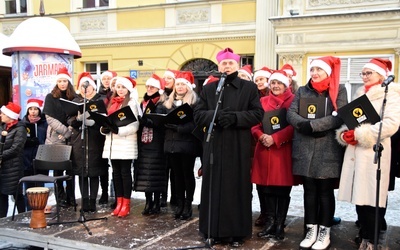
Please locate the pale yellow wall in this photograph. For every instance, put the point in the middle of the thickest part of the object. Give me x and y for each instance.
(51, 6)
(130, 3)
(239, 12)
(141, 19)
(157, 57)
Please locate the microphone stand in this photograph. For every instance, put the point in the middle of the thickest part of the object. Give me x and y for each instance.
(210, 136)
(85, 166)
(377, 160)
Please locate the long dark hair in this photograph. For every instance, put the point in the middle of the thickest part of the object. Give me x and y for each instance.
(70, 93)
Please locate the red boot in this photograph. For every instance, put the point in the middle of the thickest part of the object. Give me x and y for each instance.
(126, 207)
(118, 207)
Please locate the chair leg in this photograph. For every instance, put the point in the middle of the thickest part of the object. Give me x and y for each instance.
(15, 203)
(57, 201)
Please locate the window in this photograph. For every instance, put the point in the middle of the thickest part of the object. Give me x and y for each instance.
(350, 69)
(15, 6)
(246, 60)
(95, 69)
(95, 3)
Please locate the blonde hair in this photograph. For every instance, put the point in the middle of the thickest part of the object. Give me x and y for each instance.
(190, 98)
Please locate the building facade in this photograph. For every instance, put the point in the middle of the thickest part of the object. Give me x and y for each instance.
(137, 38)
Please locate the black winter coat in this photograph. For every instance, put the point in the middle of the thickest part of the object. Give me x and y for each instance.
(231, 214)
(150, 170)
(12, 168)
(32, 143)
(94, 147)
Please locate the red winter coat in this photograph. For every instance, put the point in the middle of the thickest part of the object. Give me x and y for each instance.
(273, 166)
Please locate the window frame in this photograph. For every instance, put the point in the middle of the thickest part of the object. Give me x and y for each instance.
(17, 8)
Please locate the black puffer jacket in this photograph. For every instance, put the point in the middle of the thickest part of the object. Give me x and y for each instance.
(12, 166)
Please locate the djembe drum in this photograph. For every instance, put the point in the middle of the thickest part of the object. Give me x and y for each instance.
(37, 198)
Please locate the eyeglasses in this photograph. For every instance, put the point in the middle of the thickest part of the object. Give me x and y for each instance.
(366, 74)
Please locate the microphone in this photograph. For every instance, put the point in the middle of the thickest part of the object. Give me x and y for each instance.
(2, 141)
(388, 80)
(221, 83)
(85, 84)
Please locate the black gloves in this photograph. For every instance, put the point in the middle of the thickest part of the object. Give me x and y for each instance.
(105, 130)
(145, 121)
(227, 119)
(305, 128)
(174, 127)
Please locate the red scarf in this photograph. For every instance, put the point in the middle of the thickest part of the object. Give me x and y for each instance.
(369, 86)
(10, 124)
(321, 86)
(116, 103)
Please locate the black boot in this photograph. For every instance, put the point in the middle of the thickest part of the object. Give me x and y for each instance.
(103, 198)
(260, 221)
(85, 204)
(164, 197)
(149, 204)
(92, 205)
(156, 209)
(178, 209)
(187, 210)
(270, 226)
(283, 207)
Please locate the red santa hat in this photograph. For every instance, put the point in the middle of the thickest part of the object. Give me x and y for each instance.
(129, 84)
(171, 73)
(109, 73)
(63, 73)
(246, 69)
(12, 110)
(227, 54)
(156, 82)
(34, 103)
(331, 65)
(380, 65)
(264, 71)
(288, 69)
(187, 78)
(279, 75)
(210, 79)
(86, 77)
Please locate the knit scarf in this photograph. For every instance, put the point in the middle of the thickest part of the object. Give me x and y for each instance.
(116, 103)
(33, 119)
(147, 133)
(321, 86)
(367, 88)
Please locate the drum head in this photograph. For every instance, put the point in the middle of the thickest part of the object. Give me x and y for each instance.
(37, 190)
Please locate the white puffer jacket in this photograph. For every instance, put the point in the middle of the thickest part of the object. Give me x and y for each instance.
(123, 146)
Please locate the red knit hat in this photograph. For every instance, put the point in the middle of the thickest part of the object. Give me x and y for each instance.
(86, 77)
(246, 69)
(63, 73)
(331, 65)
(109, 73)
(187, 78)
(381, 66)
(279, 75)
(227, 54)
(264, 71)
(288, 69)
(210, 79)
(34, 103)
(12, 110)
(156, 82)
